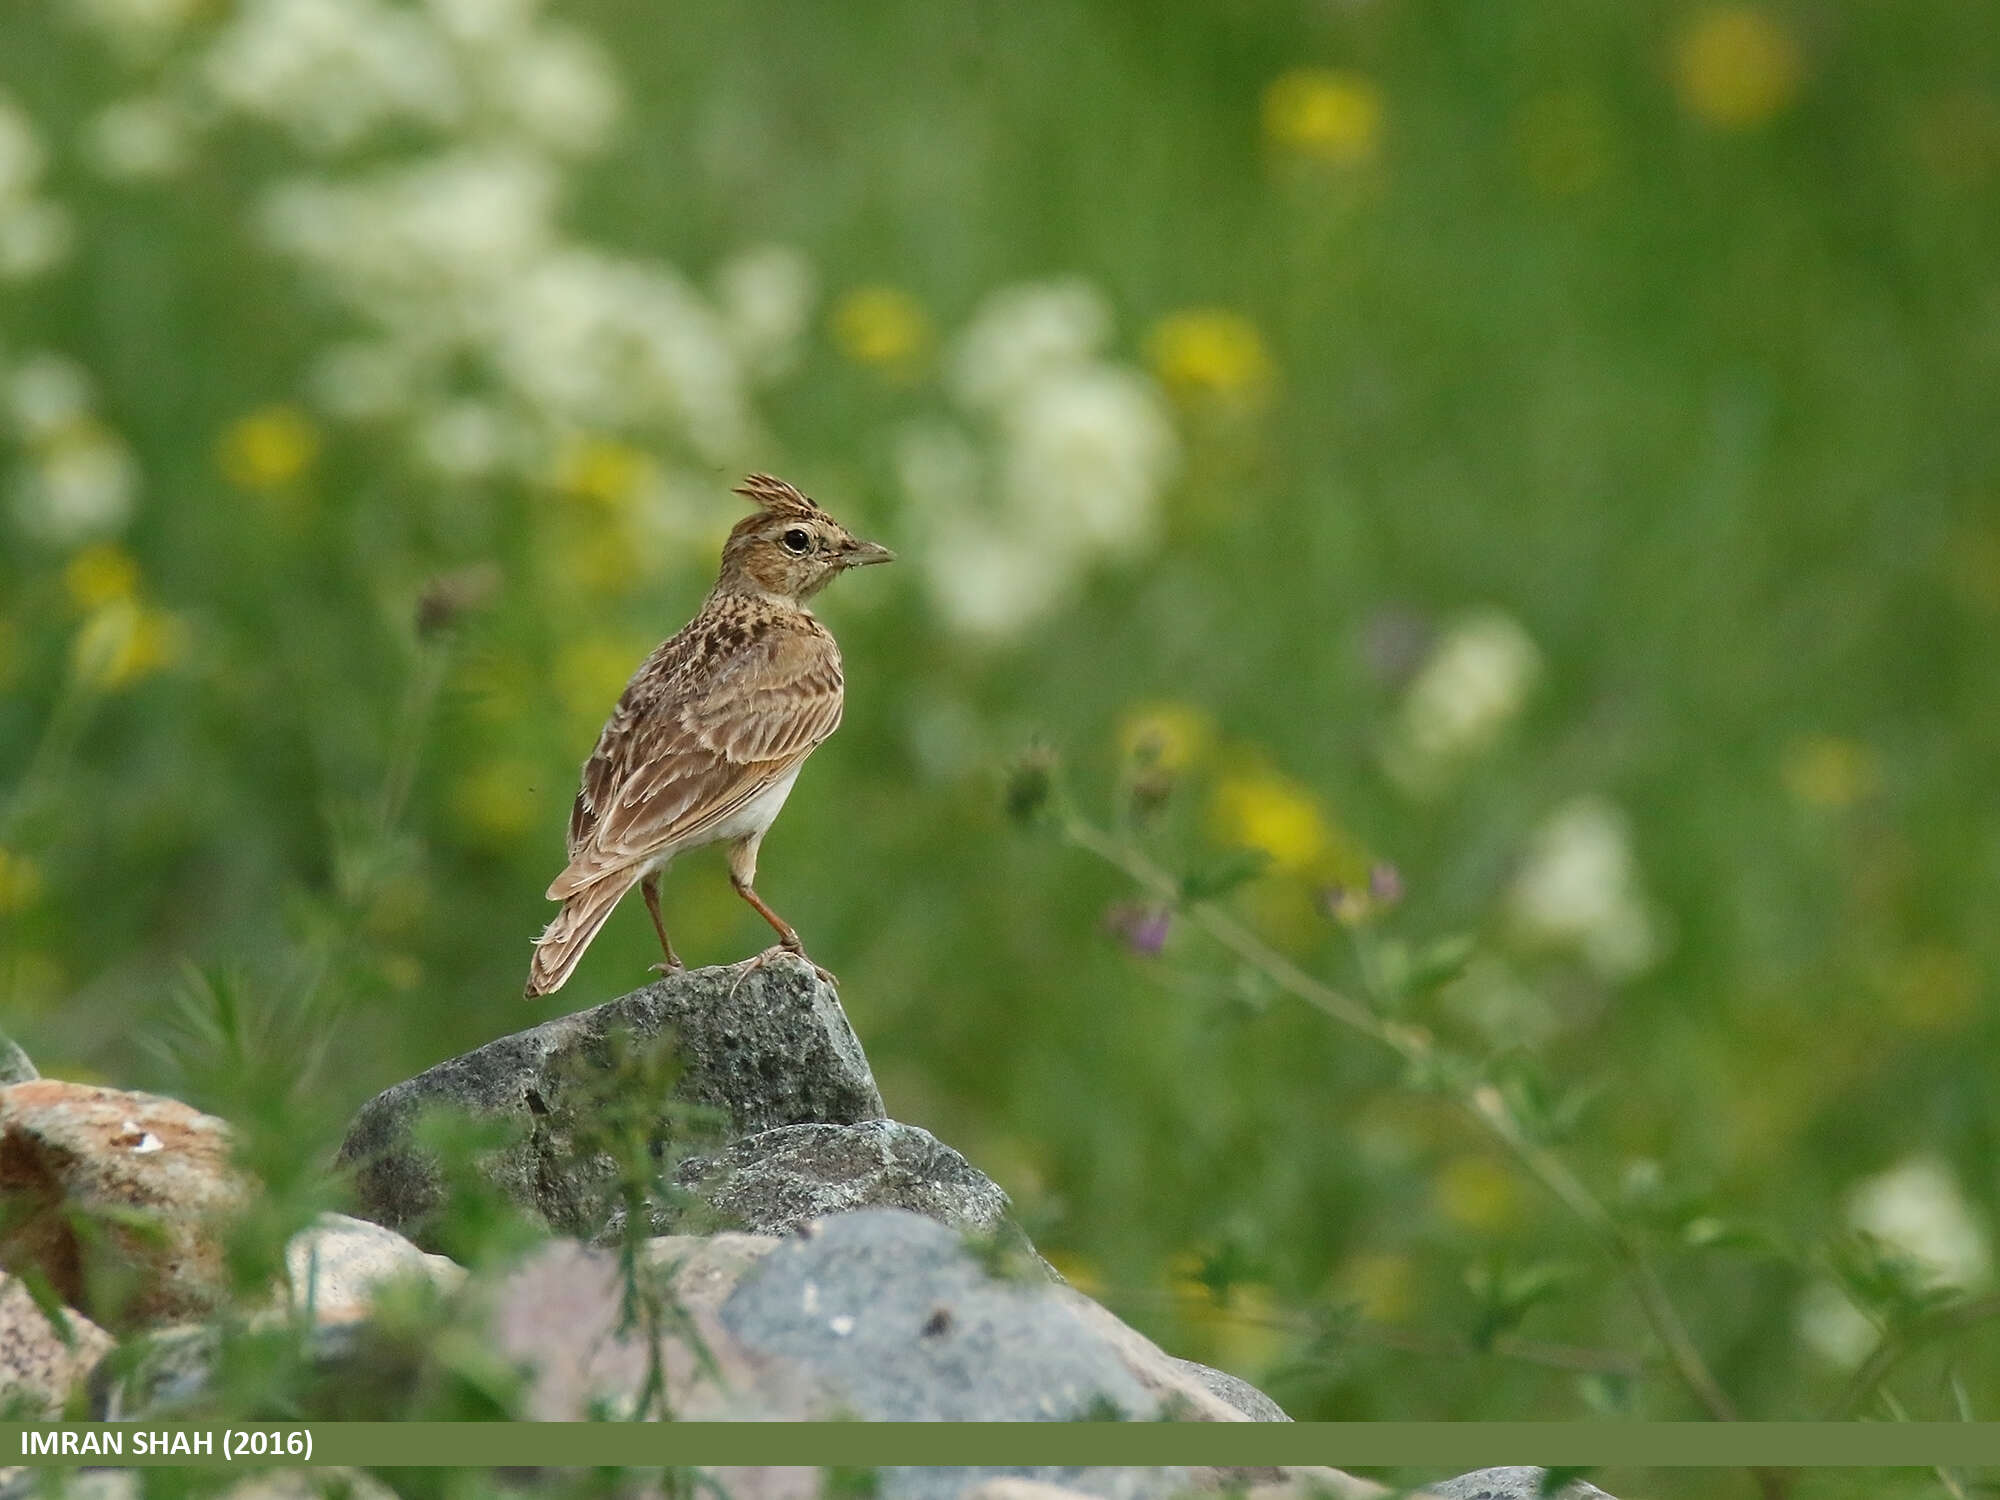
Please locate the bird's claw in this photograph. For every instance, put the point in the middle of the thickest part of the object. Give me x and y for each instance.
(751, 965)
(670, 966)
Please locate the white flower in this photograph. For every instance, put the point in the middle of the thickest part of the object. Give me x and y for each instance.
(136, 26)
(139, 139)
(1578, 888)
(989, 585)
(1917, 1209)
(765, 296)
(34, 237)
(427, 246)
(46, 394)
(1021, 334)
(483, 22)
(1087, 452)
(331, 71)
(21, 154)
(464, 439)
(1076, 451)
(1472, 686)
(594, 340)
(1833, 1327)
(558, 87)
(79, 487)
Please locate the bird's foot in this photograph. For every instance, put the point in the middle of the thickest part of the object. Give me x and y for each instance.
(751, 965)
(671, 966)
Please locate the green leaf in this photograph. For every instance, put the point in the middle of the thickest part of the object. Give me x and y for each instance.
(1221, 876)
(1506, 1296)
(1439, 962)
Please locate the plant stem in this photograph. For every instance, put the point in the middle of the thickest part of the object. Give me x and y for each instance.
(1903, 1340)
(1483, 1102)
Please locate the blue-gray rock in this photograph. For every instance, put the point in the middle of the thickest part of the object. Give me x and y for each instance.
(893, 1317)
(1237, 1391)
(761, 1045)
(778, 1180)
(1513, 1483)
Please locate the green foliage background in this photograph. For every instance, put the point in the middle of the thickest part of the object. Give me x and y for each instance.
(1705, 402)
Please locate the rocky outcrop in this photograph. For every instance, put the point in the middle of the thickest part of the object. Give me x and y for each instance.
(39, 1368)
(336, 1267)
(116, 1198)
(880, 1314)
(761, 1045)
(1513, 1483)
(778, 1180)
(857, 1268)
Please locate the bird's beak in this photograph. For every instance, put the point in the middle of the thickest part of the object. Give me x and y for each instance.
(861, 554)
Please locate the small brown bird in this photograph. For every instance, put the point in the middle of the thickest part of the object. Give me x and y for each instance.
(711, 731)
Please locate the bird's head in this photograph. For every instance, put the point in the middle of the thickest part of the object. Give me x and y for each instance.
(789, 546)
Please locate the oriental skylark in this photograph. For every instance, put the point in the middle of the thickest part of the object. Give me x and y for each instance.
(711, 731)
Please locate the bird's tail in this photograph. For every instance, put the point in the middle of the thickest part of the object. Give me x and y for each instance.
(561, 946)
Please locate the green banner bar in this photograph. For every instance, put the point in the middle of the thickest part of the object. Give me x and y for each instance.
(1448, 1447)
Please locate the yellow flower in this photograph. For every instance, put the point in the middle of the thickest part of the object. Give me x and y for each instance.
(1329, 113)
(1735, 67)
(1210, 354)
(1563, 142)
(1382, 1283)
(123, 642)
(1824, 771)
(100, 574)
(496, 802)
(20, 882)
(269, 448)
(1478, 1192)
(884, 328)
(1166, 736)
(1264, 810)
(599, 558)
(603, 471)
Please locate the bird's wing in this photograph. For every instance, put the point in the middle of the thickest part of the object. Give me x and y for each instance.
(695, 737)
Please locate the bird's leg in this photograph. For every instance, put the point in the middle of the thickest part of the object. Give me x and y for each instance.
(650, 889)
(742, 871)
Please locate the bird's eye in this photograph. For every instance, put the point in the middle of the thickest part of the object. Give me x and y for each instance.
(797, 539)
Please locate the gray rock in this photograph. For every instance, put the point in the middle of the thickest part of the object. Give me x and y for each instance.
(1237, 1391)
(339, 1262)
(762, 1045)
(1515, 1483)
(777, 1180)
(892, 1316)
(38, 1370)
(1034, 1483)
(14, 1064)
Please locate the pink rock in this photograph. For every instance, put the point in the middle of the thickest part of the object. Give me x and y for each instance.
(118, 1198)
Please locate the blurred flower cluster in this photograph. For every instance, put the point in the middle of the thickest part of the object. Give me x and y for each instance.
(75, 479)
(496, 343)
(34, 231)
(1578, 890)
(1918, 1227)
(1060, 456)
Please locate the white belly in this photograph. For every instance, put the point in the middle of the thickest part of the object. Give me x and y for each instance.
(754, 816)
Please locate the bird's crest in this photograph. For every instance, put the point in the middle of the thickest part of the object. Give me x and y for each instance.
(775, 497)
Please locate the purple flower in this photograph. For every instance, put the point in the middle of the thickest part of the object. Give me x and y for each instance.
(1385, 884)
(1142, 929)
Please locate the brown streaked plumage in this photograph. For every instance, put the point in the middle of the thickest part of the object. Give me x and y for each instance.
(710, 733)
